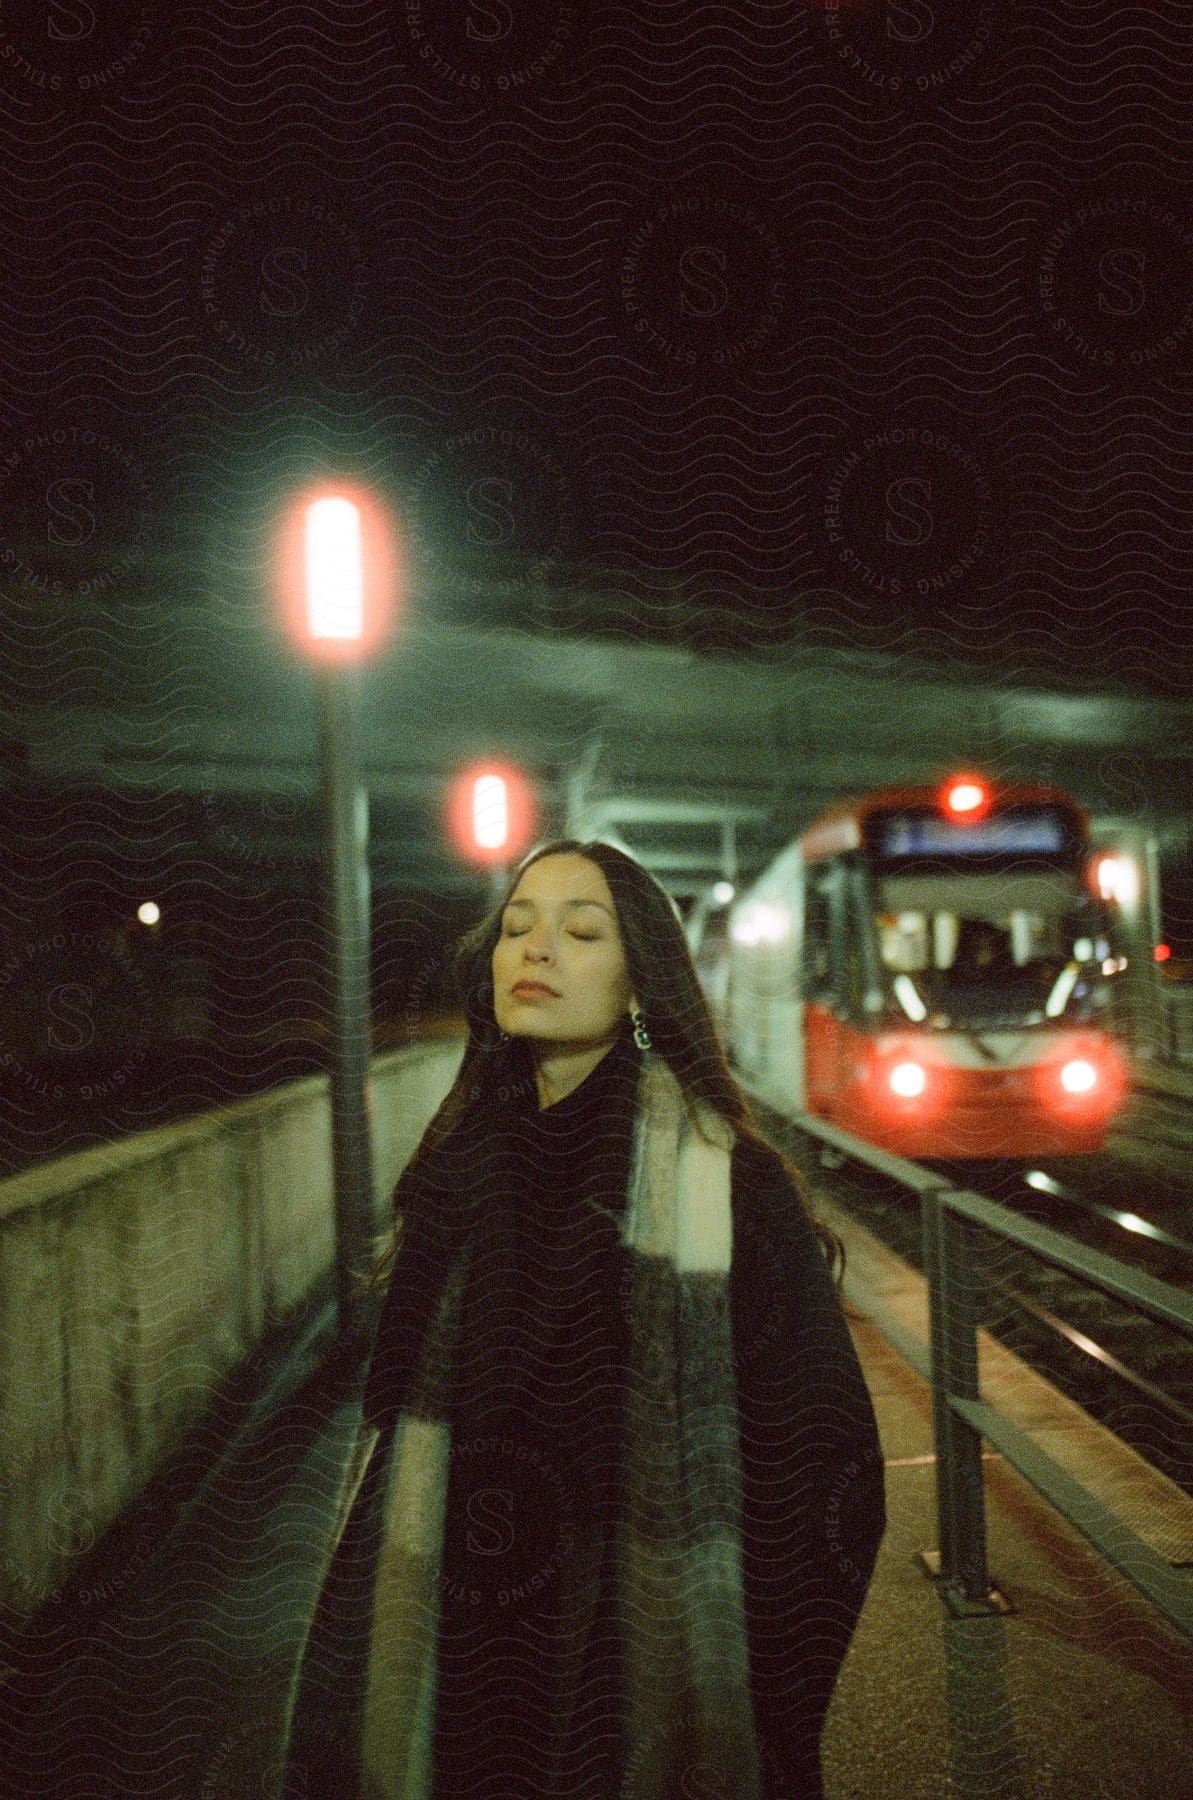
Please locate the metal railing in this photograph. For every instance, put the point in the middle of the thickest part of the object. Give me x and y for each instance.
(950, 1221)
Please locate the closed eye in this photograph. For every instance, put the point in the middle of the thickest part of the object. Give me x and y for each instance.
(586, 937)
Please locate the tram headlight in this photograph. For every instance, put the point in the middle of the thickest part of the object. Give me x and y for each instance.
(908, 1080)
(1078, 1076)
(1085, 1078)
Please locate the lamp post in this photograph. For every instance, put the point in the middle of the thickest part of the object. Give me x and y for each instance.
(336, 560)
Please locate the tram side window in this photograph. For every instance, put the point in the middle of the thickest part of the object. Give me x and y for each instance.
(817, 947)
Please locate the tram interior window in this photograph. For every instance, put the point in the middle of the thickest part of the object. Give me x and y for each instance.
(903, 940)
(914, 942)
(973, 945)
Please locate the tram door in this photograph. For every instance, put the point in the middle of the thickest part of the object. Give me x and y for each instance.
(838, 974)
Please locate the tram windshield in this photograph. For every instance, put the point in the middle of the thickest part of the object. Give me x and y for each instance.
(1014, 950)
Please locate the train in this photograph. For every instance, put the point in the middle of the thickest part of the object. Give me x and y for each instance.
(932, 969)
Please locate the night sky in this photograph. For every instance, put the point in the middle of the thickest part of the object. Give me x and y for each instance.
(867, 323)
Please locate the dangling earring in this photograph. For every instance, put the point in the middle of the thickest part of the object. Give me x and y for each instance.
(641, 1035)
(503, 1037)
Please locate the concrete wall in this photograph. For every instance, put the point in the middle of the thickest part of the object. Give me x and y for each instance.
(136, 1276)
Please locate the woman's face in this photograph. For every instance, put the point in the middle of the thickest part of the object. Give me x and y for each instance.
(559, 930)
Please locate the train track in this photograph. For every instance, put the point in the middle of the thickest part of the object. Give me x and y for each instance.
(1132, 1374)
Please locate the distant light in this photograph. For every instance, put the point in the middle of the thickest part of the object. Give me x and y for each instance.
(490, 812)
(1083, 949)
(1036, 1178)
(335, 580)
(1132, 1222)
(761, 923)
(1079, 1076)
(776, 924)
(908, 1080)
(149, 912)
(723, 892)
(1163, 952)
(1118, 879)
(773, 922)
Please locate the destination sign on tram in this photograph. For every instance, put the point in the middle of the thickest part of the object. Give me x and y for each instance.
(1023, 831)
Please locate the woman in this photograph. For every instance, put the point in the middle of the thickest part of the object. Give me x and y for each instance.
(618, 1491)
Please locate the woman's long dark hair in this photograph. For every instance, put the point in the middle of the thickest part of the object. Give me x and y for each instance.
(663, 977)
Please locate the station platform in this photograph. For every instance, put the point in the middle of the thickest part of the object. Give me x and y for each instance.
(1082, 1691)
(166, 1675)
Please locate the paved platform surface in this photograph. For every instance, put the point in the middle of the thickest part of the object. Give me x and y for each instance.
(1090, 1684)
(173, 1685)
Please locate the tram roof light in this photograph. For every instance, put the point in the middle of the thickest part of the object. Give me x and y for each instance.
(965, 799)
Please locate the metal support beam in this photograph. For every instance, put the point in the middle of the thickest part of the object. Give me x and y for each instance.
(638, 810)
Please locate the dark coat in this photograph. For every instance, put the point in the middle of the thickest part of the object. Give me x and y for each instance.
(535, 1469)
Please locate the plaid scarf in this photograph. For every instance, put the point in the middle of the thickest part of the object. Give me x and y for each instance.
(689, 1711)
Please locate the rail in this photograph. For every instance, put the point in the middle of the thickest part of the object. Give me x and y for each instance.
(950, 1221)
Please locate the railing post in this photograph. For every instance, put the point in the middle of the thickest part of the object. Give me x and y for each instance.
(960, 1499)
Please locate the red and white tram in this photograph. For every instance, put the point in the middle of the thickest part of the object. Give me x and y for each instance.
(928, 969)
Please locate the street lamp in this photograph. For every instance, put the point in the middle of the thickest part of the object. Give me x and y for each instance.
(337, 582)
(335, 577)
(490, 819)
